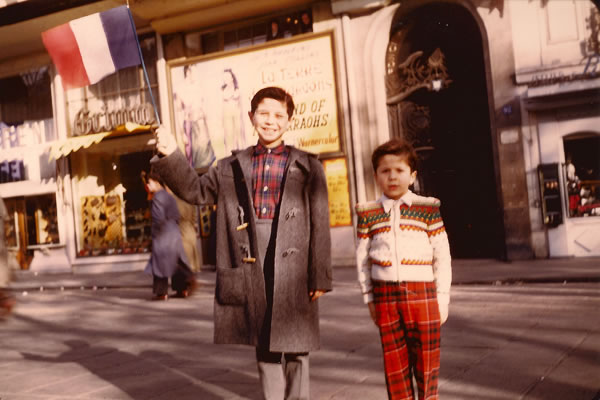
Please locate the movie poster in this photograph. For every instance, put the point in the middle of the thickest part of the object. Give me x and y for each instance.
(211, 97)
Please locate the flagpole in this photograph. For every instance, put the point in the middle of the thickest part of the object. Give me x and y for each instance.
(143, 65)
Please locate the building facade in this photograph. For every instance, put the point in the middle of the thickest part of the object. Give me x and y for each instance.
(500, 99)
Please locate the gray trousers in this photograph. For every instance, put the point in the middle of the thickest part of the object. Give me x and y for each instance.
(283, 379)
(282, 375)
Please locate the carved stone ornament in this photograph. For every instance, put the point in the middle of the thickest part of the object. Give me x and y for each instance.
(402, 79)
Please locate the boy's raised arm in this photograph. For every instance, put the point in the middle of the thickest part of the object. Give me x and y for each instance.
(179, 176)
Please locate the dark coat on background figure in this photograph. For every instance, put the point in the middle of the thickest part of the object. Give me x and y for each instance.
(302, 250)
(167, 248)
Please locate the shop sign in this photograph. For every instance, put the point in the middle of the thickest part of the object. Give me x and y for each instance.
(29, 133)
(551, 78)
(587, 69)
(12, 171)
(87, 122)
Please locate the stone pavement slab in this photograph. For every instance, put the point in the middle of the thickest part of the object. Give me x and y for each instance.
(518, 341)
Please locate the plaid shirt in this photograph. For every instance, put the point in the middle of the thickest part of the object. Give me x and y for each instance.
(268, 168)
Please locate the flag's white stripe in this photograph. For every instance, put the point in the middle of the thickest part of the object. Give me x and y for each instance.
(93, 47)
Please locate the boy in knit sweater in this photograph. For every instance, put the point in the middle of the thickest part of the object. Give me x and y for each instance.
(404, 271)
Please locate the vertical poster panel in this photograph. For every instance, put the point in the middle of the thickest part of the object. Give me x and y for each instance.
(336, 172)
(211, 97)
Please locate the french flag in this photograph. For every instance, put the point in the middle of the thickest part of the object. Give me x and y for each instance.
(87, 49)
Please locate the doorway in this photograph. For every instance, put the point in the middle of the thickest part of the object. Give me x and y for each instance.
(437, 99)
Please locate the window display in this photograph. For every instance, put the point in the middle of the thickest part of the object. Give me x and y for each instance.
(113, 216)
(582, 174)
(32, 224)
(42, 220)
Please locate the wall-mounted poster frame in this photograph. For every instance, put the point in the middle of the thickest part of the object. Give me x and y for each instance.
(210, 97)
(336, 172)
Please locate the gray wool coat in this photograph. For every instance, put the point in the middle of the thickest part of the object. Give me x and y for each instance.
(302, 250)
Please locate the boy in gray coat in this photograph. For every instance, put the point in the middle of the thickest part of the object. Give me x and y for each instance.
(273, 243)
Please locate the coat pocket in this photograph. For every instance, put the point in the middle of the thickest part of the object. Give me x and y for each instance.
(231, 286)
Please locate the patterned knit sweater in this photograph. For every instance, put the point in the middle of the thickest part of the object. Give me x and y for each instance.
(403, 240)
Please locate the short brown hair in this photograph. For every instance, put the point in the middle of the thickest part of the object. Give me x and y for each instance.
(273, 92)
(398, 147)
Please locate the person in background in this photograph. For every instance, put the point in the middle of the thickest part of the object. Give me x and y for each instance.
(7, 301)
(274, 30)
(168, 259)
(404, 271)
(305, 22)
(187, 226)
(273, 243)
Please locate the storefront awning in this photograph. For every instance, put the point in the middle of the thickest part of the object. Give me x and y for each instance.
(65, 147)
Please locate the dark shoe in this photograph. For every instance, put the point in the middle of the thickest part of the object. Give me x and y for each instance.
(181, 294)
(160, 297)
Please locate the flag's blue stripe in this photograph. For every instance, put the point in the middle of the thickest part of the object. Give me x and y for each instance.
(120, 36)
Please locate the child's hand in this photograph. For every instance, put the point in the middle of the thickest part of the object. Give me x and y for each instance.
(315, 294)
(372, 312)
(443, 313)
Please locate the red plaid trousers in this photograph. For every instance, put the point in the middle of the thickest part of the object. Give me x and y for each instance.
(408, 318)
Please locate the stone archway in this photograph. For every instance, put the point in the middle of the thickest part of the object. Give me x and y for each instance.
(437, 98)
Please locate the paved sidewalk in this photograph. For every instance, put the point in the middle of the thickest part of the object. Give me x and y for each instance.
(464, 272)
(100, 338)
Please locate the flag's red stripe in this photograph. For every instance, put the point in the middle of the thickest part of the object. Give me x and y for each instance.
(62, 46)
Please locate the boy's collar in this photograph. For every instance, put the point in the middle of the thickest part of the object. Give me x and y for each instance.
(261, 149)
(388, 203)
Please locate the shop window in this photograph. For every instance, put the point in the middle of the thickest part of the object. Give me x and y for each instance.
(32, 221)
(42, 221)
(25, 97)
(112, 210)
(118, 98)
(548, 175)
(582, 174)
(27, 126)
(210, 42)
(180, 45)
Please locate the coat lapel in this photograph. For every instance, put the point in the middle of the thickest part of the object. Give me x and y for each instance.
(244, 158)
(296, 160)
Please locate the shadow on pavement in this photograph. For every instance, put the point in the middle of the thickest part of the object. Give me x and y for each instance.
(151, 375)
